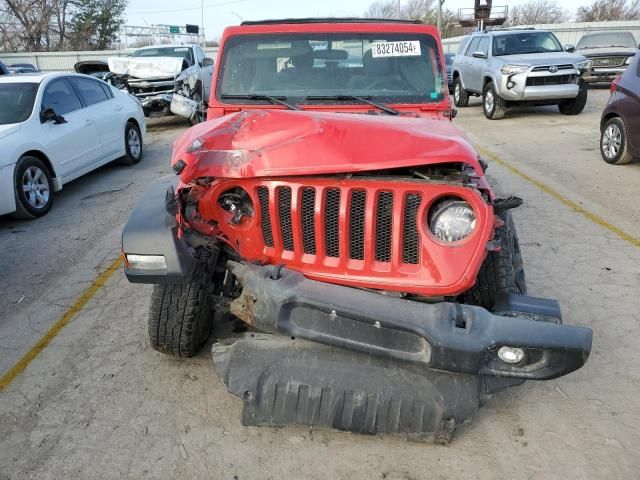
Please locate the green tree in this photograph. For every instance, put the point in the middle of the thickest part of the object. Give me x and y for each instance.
(96, 23)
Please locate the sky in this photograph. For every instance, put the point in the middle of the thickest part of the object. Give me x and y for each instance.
(221, 13)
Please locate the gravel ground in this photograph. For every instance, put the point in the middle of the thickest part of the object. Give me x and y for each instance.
(99, 403)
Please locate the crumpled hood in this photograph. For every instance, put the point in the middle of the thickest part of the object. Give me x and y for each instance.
(6, 130)
(262, 143)
(146, 67)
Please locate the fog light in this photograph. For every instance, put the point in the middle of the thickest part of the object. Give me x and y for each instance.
(146, 263)
(510, 85)
(511, 355)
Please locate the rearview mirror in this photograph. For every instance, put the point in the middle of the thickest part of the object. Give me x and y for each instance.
(49, 115)
(207, 62)
(570, 48)
(479, 55)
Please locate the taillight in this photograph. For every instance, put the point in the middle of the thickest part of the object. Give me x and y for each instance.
(614, 85)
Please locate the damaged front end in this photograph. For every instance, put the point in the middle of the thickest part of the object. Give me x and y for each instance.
(351, 298)
(188, 99)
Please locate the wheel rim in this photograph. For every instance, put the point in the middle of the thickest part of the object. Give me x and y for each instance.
(133, 140)
(611, 141)
(456, 92)
(488, 101)
(36, 187)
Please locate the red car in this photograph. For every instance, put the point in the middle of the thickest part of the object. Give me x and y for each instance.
(330, 204)
(620, 123)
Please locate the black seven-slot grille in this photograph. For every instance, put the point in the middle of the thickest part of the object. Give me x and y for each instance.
(354, 238)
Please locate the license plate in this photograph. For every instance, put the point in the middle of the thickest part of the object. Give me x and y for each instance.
(396, 49)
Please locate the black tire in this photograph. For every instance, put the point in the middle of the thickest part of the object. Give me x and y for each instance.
(39, 199)
(575, 105)
(613, 142)
(502, 272)
(201, 115)
(460, 95)
(180, 319)
(132, 155)
(493, 105)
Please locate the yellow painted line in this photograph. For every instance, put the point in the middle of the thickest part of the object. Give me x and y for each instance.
(561, 198)
(55, 329)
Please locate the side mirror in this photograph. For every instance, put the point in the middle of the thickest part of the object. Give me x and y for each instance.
(479, 55)
(207, 62)
(49, 115)
(570, 48)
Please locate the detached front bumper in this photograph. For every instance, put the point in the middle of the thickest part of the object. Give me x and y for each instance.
(442, 336)
(160, 103)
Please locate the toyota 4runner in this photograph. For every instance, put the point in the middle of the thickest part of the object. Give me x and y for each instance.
(518, 67)
(331, 206)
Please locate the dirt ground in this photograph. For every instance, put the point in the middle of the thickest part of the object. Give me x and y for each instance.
(99, 403)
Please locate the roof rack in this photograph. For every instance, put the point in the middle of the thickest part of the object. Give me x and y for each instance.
(329, 20)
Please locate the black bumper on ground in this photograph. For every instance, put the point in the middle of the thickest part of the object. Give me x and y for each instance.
(442, 336)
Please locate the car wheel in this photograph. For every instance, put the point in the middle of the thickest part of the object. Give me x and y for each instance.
(33, 188)
(200, 115)
(575, 105)
(132, 144)
(493, 105)
(502, 271)
(180, 318)
(613, 142)
(460, 95)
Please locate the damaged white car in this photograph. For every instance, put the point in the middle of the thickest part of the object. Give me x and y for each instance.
(167, 79)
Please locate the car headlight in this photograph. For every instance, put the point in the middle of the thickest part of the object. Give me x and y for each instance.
(584, 65)
(452, 220)
(628, 61)
(513, 69)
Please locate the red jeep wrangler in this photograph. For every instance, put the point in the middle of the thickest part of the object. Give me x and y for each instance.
(330, 205)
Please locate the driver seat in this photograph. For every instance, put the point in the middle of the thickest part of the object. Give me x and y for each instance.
(375, 70)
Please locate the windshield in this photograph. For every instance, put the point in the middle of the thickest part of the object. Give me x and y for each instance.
(386, 68)
(16, 101)
(179, 52)
(526, 42)
(608, 39)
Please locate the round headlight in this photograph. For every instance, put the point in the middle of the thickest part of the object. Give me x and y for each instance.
(452, 220)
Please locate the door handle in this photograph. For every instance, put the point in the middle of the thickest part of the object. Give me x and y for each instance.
(118, 108)
(88, 121)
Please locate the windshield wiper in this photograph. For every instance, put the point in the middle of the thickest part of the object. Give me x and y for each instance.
(367, 100)
(257, 96)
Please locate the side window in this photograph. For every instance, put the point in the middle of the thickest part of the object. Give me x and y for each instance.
(60, 96)
(90, 91)
(483, 46)
(473, 46)
(107, 89)
(462, 48)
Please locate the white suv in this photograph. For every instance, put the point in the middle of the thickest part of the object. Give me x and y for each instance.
(510, 67)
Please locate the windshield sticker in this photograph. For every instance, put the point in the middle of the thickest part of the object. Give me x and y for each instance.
(396, 49)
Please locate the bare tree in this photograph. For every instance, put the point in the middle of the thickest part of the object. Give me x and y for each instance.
(537, 11)
(423, 10)
(382, 9)
(607, 10)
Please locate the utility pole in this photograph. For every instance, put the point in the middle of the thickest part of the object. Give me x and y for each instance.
(439, 16)
(204, 39)
(399, 9)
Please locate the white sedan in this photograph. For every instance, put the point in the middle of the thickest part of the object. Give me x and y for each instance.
(55, 127)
